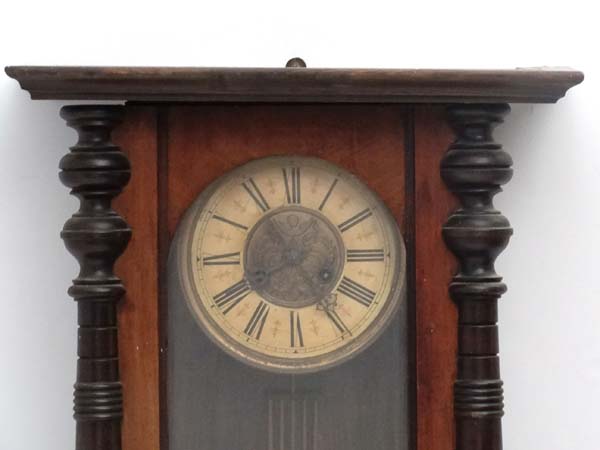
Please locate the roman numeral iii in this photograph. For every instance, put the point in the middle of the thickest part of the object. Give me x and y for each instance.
(364, 255)
(257, 321)
(356, 292)
(227, 299)
(291, 179)
(253, 191)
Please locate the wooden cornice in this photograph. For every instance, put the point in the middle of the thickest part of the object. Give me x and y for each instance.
(294, 84)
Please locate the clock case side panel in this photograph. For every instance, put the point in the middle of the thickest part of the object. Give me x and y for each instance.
(221, 393)
(139, 267)
(435, 314)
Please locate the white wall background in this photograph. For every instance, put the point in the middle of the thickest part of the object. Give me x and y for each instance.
(550, 335)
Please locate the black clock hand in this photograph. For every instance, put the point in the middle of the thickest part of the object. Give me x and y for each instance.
(261, 276)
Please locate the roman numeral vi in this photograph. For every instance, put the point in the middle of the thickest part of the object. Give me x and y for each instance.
(296, 339)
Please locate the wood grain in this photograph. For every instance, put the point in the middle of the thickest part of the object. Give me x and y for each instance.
(237, 85)
(138, 312)
(363, 403)
(436, 316)
(207, 141)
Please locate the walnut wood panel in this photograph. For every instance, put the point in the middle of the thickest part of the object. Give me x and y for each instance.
(218, 84)
(363, 403)
(207, 141)
(138, 267)
(436, 316)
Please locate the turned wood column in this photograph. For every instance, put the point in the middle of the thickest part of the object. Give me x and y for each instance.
(474, 168)
(96, 171)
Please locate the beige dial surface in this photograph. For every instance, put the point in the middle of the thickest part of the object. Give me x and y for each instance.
(291, 264)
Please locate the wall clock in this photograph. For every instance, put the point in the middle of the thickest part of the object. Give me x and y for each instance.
(273, 260)
(305, 256)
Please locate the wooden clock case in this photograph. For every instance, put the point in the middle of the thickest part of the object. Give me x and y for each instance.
(421, 139)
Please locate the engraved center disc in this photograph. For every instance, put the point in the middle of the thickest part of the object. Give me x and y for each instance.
(293, 257)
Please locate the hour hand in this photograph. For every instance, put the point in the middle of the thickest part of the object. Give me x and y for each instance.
(260, 276)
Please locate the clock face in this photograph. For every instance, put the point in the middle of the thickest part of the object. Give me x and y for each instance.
(290, 264)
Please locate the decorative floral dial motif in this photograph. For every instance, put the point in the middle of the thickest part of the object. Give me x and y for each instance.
(293, 257)
(290, 264)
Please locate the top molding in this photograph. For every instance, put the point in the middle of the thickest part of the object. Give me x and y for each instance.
(294, 85)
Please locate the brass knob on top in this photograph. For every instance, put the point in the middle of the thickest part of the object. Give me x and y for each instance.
(295, 62)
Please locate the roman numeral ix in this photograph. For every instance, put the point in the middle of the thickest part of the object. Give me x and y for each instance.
(231, 296)
(257, 321)
(254, 192)
(292, 185)
(356, 292)
(355, 220)
(364, 255)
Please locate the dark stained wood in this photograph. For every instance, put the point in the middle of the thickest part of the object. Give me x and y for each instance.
(96, 171)
(361, 404)
(163, 252)
(436, 317)
(194, 84)
(138, 267)
(474, 168)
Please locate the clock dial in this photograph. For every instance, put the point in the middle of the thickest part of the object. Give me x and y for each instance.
(290, 264)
